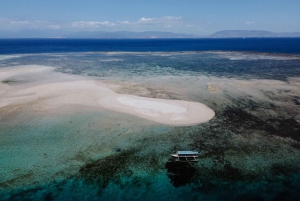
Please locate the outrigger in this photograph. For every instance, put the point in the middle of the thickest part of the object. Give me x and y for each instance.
(186, 156)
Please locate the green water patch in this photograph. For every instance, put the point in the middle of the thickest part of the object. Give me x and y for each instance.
(10, 81)
(15, 80)
(147, 157)
(53, 147)
(141, 171)
(156, 186)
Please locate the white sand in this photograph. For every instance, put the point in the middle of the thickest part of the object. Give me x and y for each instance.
(173, 112)
(153, 105)
(91, 93)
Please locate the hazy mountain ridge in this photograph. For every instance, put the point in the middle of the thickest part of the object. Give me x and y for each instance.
(142, 35)
(251, 34)
(128, 34)
(157, 34)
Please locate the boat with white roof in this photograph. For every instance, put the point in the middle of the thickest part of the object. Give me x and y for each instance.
(186, 156)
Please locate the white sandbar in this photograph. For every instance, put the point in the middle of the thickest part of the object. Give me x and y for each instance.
(151, 105)
(172, 112)
(69, 91)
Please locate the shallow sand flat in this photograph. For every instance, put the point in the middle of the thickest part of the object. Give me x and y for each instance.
(6, 73)
(91, 93)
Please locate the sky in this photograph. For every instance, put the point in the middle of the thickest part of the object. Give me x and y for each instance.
(196, 17)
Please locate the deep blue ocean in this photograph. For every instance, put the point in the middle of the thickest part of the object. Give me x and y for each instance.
(267, 45)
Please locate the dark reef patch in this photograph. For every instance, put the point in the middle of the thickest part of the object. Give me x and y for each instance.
(15, 180)
(296, 100)
(26, 194)
(285, 128)
(231, 173)
(239, 121)
(222, 134)
(104, 170)
(249, 197)
(282, 169)
(296, 145)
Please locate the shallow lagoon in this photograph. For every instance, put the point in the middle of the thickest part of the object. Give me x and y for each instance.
(250, 150)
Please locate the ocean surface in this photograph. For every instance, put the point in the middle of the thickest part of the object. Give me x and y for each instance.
(249, 151)
(268, 45)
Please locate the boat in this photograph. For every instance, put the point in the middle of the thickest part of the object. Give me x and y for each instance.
(186, 156)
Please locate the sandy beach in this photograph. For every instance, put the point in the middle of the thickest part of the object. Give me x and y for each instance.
(59, 89)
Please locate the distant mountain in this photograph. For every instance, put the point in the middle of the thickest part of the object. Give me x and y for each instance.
(251, 34)
(139, 35)
(127, 34)
(31, 34)
(91, 34)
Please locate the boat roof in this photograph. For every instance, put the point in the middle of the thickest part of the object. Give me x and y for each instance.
(187, 152)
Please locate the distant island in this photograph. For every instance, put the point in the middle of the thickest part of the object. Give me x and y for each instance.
(252, 34)
(158, 34)
(128, 34)
(145, 34)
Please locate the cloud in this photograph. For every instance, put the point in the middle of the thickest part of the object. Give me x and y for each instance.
(53, 26)
(147, 19)
(11, 24)
(91, 24)
(159, 20)
(172, 18)
(123, 22)
(249, 23)
(145, 23)
(19, 22)
(165, 23)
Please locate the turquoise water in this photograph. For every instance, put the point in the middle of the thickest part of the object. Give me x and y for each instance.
(249, 151)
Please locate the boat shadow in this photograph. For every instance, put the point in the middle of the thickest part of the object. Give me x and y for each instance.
(180, 173)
